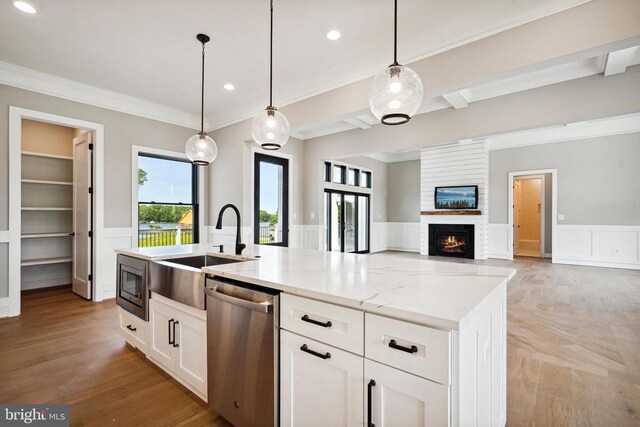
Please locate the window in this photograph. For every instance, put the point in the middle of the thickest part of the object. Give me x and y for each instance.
(327, 172)
(271, 200)
(167, 201)
(365, 180)
(352, 176)
(339, 174)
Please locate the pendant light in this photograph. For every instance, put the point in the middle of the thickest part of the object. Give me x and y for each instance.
(201, 148)
(270, 128)
(395, 93)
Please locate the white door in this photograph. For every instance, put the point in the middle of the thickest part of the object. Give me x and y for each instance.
(161, 320)
(516, 216)
(323, 388)
(82, 215)
(191, 339)
(402, 399)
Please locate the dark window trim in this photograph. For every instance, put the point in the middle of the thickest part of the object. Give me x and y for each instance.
(280, 161)
(342, 215)
(195, 203)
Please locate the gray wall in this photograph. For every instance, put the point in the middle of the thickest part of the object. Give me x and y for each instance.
(230, 177)
(403, 184)
(121, 131)
(598, 178)
(379, 211)
(576, 100)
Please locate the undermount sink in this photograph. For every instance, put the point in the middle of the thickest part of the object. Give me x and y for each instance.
(182, 279)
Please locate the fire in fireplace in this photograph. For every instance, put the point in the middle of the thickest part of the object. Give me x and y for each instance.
(453, 240)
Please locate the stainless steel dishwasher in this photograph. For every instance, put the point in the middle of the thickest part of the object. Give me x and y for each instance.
(243, 352)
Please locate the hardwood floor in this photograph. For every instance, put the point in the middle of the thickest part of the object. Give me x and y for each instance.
(573, 355)
(63, 349)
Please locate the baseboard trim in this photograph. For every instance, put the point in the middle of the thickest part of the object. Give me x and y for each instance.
(411, 250)
(589, 263)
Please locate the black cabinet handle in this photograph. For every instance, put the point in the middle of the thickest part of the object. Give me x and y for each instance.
(172, 342)
(370, 386)
(315, 353)
(175, 344)
(131, 328)
(412, 350)
(326, 324)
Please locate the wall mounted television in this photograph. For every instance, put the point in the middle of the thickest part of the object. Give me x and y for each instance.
(456, 197)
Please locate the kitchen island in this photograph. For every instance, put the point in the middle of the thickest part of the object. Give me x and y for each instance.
(416, 340)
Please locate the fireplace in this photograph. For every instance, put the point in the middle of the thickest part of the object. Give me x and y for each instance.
(452, 240)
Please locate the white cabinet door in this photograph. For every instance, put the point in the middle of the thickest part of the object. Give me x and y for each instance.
(191, 360)
(402, 399)
(161, 318)
(320, 385)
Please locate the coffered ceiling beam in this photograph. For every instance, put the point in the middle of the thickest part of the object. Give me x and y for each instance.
(618, 61)
(458, 99)
(354, 121)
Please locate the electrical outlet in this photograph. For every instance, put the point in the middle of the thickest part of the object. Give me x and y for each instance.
(293, 216)
(313, 215)
(560, 217)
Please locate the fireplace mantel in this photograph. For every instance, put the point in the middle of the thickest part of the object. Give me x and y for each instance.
(460, 212)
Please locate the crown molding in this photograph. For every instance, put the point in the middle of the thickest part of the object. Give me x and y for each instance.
(47, 84)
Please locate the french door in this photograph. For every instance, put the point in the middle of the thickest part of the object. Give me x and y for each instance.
(347, 221)
(271, 200)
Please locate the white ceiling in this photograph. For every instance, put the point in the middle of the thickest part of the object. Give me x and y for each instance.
(147, 48)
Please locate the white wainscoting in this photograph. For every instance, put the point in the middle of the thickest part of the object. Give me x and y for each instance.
(4, 307)
(227, 236)
(403, 236)
(113, 238)
(616, 246)
(378, 238)
(4, 302)
(499, 241)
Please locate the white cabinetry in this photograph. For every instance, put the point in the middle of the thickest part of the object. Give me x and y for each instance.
(401, 399)
(178, 342)
(133, 329)
(320, 384)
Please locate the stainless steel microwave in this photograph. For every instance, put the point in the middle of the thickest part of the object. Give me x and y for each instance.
(133, 285)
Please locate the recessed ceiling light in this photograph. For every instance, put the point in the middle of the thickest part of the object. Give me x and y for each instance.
(25, 7)
(229, 86)
(333, 35)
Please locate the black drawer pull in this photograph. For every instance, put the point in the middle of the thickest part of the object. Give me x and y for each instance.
(370, 386)
(171, 341)
(326, 324)
(412, 350)
(315, 353)
(131, 328)
(175, 343)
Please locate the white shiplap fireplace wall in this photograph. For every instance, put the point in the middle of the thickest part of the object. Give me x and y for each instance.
(456, 164)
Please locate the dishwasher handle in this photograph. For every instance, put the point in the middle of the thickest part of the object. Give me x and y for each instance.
(263, 307)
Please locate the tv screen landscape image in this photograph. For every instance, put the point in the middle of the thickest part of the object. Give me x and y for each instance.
(461, 197)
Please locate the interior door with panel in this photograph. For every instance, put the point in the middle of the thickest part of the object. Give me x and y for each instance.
(82, 215)
(271, 200)
(320, 385)
(397, 398)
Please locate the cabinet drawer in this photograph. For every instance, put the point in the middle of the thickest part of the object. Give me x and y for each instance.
(338, 326)
(133, 329)
(417, 349)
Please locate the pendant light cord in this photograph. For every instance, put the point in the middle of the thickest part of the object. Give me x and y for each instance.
(202, 95)
(271, 59)
(395, 32)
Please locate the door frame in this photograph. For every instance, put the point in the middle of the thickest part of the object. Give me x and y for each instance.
(157, 152)
(542, 210)
(16, 115)
(280, 160)
(327, 215)
(554, 208)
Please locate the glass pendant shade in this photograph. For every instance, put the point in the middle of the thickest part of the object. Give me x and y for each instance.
(201, 149)
(395, 95)
(270, 129)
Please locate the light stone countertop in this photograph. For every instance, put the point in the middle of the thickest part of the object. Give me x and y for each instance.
(435, 293)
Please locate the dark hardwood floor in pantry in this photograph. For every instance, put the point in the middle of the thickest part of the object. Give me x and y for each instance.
(63, 349)
(573, 355)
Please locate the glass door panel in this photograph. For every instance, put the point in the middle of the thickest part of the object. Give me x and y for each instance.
(350, 223)
(271, 200)
(335, 218)
(363, 224)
